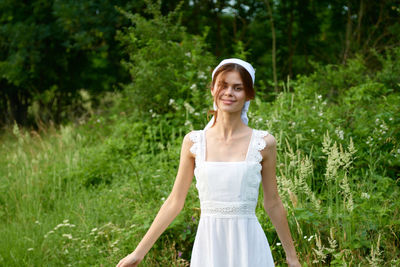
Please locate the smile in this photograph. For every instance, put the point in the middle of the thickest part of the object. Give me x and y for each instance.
(227, 102)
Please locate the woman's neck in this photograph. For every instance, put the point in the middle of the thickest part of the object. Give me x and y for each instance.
(228, 124)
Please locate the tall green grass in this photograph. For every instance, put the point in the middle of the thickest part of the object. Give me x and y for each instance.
(52, 215)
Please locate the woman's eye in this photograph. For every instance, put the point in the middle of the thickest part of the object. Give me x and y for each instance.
(238, 88)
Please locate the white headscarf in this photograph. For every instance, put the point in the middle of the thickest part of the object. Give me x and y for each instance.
(246, 105)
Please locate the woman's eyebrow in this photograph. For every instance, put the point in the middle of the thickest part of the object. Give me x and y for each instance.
(235, 84)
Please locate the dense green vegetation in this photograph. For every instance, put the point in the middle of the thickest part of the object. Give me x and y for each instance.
(84, 193)
(52, 52)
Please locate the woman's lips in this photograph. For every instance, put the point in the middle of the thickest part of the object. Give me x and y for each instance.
(227, 102)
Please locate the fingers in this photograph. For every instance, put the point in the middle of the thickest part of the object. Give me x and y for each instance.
(121, 262)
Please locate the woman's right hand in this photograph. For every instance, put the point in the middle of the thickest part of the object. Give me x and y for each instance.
(131, 260)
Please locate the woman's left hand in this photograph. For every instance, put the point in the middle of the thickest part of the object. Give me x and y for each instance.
(293, 262)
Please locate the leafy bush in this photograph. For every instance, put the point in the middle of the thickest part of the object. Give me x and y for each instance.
(168, 66)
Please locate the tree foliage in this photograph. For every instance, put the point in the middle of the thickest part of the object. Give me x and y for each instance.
(52, 50)
(167, 65)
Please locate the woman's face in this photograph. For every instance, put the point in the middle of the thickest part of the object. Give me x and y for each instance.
(232, 95)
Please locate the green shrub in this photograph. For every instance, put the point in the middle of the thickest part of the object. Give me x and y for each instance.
(168, 66)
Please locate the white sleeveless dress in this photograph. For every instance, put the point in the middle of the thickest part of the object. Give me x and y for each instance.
(229, 233)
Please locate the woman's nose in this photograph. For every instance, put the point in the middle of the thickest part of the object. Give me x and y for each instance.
(228, 90)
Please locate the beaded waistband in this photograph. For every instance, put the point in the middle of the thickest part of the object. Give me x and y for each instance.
(228, 209)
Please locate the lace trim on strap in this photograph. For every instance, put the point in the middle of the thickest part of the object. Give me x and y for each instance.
(228, 209)
(258, 145)
(195, 137)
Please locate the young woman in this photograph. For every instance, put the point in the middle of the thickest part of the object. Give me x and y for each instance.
(229, 160)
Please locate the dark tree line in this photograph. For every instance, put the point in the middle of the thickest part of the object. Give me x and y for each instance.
(50, 50)
(324, 31)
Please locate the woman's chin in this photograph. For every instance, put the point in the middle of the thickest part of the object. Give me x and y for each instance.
(230, 110)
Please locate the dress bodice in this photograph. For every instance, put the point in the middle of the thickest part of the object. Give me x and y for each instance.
(228, 189)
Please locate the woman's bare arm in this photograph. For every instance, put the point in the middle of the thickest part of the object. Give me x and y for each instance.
(272, 202)
(171, 207)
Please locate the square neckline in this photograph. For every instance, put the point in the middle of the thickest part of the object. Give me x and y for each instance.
(241, 161)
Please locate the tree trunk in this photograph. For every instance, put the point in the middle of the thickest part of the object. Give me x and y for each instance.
(348, 35)
(3, 107)
(360, 15)
(290, 43)
(273, 45)
(18, 103)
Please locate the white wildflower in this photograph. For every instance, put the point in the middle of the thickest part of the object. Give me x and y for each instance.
(312, 130)
(339, 133)
(171, 101)
(59, 226)
(202, 75)
(188, 54)
(50, 232)
(365, 195)
(30, 249)
(69, 236)
(321, 113)
(370, 140)
(374, 258)
(319, 253)
(188, 107)
(278, 244)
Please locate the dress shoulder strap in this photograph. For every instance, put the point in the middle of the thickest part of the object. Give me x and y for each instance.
(257, 145)
(196, 138)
